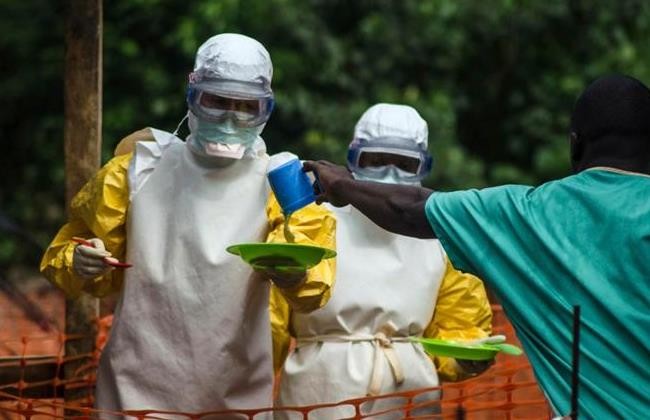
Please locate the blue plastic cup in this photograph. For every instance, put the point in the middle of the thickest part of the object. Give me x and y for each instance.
(292, 187)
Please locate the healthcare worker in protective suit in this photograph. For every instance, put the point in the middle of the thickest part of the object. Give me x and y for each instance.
(191, 330)
(388, 288)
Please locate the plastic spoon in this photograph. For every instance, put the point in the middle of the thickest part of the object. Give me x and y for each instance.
(507, 349)
(106, 260)
(498, 342)
(493, 339)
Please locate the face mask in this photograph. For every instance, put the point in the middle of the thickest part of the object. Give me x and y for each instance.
(221, 139)
(391, 175)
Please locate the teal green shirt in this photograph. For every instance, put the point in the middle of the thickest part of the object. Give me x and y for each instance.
(585, 240)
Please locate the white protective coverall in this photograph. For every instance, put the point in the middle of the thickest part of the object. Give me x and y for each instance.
(191, 331)
(389, 287)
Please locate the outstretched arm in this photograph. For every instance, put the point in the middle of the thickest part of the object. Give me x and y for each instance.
(396, 208)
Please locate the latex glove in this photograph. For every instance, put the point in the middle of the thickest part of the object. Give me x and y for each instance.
(88, 262)
(475, 367)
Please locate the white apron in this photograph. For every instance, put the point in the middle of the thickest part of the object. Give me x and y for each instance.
(191, 330)
(386, 286)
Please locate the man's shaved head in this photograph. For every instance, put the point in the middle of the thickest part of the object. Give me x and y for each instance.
(610, 125)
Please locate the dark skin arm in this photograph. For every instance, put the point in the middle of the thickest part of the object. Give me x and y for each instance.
(396, 208)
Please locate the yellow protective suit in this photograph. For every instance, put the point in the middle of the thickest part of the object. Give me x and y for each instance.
(99, 210)
(190, 315)
(462, 311)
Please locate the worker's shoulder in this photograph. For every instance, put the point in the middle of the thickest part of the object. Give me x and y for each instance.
(126, 146)
(145, 143)
(527, 193)
(557, 189)
(124, 152)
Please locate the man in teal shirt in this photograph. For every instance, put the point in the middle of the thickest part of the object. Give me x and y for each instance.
(581, 240)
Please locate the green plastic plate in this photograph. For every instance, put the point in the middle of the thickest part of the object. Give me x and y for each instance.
(281, 256)
(457, 350)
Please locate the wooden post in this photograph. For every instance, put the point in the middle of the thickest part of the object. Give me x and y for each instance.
(82, 138)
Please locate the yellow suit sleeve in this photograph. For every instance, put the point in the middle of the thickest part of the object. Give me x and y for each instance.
(311, 225)
(462, 312)
(97, 211)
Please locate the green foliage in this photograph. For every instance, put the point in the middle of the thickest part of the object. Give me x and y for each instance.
(495, 80)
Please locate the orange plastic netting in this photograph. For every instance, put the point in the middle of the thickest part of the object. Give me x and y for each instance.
(33, 386)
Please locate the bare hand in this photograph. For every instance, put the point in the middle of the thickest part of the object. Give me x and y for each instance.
(330, 177)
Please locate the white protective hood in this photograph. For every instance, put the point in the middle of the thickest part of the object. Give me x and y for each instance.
(238, 59)
(235, 57)
(391, 120)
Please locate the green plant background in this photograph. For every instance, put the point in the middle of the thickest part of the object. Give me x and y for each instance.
(494, 79)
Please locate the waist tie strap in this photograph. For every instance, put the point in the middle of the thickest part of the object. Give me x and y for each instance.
(382, 343)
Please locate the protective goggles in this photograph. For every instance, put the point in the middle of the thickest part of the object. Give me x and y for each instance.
(374, 159)
(218, 100)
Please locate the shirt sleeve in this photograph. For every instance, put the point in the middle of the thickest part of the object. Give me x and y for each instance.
(480, 227)
(311, 225)
(462, 312)
(97, 211)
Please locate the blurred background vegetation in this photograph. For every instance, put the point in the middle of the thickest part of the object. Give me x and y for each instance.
(494, 79)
